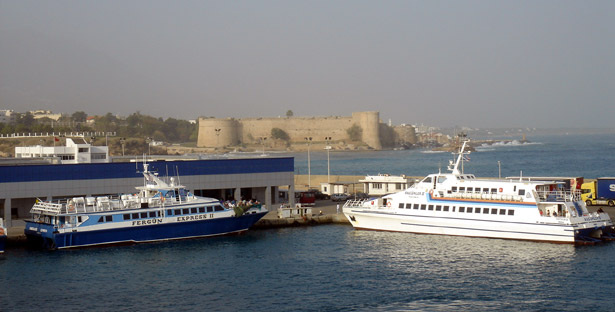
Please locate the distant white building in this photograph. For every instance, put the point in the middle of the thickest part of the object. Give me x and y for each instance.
(383, 184)
(7, 116)
(76, 151)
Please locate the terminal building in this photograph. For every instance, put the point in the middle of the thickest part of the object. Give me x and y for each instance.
(22, 182)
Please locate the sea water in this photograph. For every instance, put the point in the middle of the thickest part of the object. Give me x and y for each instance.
(589, 156)
(319, 268)
(337, 268)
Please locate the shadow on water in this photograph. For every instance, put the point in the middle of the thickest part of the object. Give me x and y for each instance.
(320, 268)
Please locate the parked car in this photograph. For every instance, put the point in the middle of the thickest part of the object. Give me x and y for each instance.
(319, 195)
(360, 195)
(339, 197)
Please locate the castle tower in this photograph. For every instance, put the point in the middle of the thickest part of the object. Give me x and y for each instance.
(370, 123)
(217, 132)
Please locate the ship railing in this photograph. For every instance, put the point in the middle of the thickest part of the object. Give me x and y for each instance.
(483, 196)
(559, 196)
(354, 203)
(46, 208)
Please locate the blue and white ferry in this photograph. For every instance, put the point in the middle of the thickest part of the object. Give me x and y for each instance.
(158, 211)
(460, 204)
(3, 234)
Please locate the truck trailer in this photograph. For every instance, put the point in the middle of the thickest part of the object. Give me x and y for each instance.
(599, 192)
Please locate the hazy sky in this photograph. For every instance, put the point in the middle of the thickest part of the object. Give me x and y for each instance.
(444, 63)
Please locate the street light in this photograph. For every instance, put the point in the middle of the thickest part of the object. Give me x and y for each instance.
(263, 139)
(309, 141)
(123, 142)
(217, 137)
(149, 145)
(328, 148)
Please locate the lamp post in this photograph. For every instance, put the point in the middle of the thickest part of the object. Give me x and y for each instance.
(328, 148)
(263, 139)
(123, 143)
(217, 137)
(149, 145)
(309, 141)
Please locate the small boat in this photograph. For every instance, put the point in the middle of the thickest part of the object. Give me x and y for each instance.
(459, 204)
(3, 234)
(159, 210)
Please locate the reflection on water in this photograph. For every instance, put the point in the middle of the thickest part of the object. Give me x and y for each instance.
(321, 268)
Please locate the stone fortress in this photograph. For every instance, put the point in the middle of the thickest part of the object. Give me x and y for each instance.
(221, 133)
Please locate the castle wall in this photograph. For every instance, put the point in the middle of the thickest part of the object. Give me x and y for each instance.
(215, 132)
(251, 130)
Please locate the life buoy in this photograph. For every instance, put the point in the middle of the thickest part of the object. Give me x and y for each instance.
(501, 190)
(388, 204)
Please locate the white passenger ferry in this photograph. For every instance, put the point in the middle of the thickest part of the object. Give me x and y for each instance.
(158, 211)
(460, 204)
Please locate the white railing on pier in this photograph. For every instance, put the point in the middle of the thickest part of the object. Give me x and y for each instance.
(57, 134)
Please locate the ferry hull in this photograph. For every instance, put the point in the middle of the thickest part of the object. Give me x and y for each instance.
(41, 234)
(554, 233)
(2, 243)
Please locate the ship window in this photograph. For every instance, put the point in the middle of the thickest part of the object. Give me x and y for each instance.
(127, 216)
(193, 210)
(511, 212)
(101, 219)
(169, 212)
(201, 209)
(427, 180)
(401, 205)
(470, 189)
(521, 192)
(438, 208)
(485, 210)
(79, 219)
(185, 211)
(485, 191)
(462, 209)
(152, 214)
(454, 189)
(423, 207)
(462, 189)
(441, 179)
(494, 211)
(135, 216)
(144, 215)
(108, 218)
(177, 212)
(494, 191)
(469, 210)
(502, 211)
(210, 209)
(430, 207)
(408, 206)
(218, 208)
(445, 208)
(476, 210)
(415, 206)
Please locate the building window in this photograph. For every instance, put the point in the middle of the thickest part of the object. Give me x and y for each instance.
(377, 185)
(83, 150)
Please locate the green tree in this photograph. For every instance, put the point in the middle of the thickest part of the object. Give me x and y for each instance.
(355, 132)
(279, 134)
(289, 113)
(79, 116)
